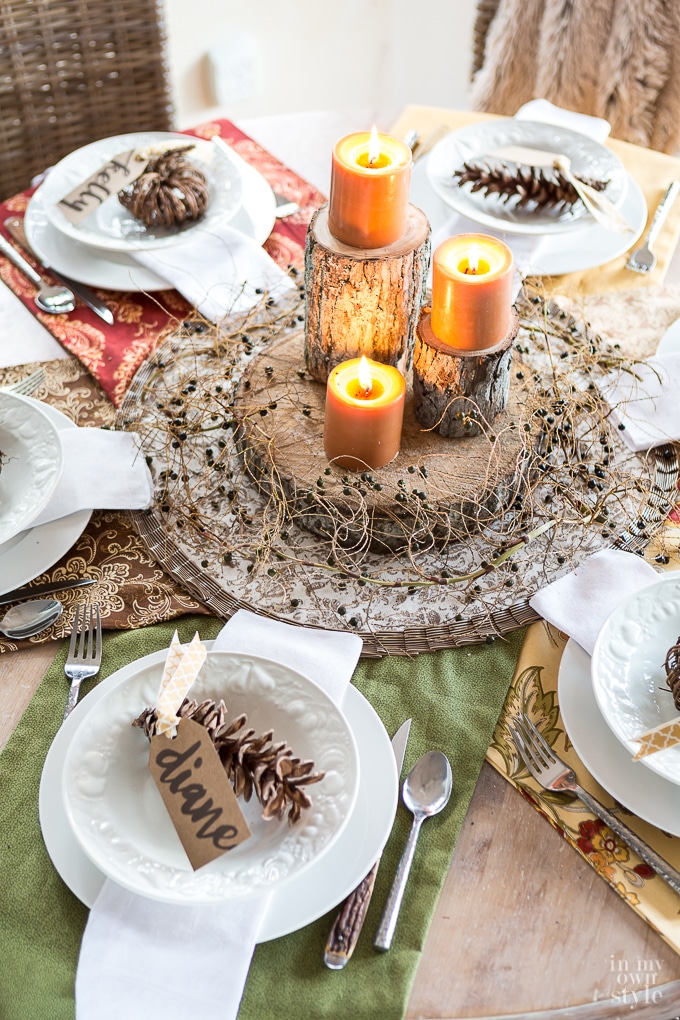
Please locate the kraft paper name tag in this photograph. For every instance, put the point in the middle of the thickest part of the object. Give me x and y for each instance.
(197, 793)
(119, 171)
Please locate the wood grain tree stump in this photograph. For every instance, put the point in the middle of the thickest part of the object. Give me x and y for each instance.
(363, 301)
(457, 392)
(433, 492)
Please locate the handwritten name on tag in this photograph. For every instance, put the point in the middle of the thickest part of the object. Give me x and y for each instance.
(195, 790)
(108, 180)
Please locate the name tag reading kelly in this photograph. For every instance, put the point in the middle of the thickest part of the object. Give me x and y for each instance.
(118, 172)
(197, 793)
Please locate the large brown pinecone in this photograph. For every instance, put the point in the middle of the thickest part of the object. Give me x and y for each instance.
(170, 192)
(672, 666)
(546, 189)
(253, 764)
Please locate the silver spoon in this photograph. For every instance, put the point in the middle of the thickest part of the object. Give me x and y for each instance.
(30, 618)
(426, 792)
(54, 300)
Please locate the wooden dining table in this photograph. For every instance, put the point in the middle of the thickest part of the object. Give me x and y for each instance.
(524, 926)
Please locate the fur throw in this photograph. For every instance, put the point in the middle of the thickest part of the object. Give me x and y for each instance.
(617, 59)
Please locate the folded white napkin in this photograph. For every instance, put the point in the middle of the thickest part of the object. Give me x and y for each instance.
(544, 112)
(103, 470)
(645, 402)
(219, 272)
(140, 959)
(525, 247)
(580, 602)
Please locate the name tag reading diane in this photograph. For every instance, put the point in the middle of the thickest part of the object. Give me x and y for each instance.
(197, 793)
(108, 180)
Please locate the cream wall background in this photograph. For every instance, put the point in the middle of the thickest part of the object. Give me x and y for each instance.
(316, 55)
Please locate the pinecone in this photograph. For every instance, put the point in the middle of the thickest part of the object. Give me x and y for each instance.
(547, 189)
(253, 764)
(170, 192)
(672, 667)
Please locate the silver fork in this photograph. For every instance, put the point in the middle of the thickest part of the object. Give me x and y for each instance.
(643, 259)
(28, 385)
(84, 651)
(554, 774)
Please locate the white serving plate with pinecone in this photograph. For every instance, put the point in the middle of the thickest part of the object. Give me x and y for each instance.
(478, 144)
(116, 813)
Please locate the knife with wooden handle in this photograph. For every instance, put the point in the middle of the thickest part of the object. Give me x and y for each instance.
(14, 226)
(348, 924)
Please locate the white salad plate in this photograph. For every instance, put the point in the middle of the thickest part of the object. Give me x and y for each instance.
(112, 270)
(120, 821)
(645, 794)
(34, 550)
(111, 226)
(590, 246)
(629, 680)
(297, 902)
(476, 143)
(32, 462)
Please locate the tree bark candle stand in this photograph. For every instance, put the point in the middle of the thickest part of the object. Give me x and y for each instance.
(459, 392)
(363, 301)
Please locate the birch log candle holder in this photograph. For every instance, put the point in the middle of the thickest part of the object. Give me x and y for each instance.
(366, 259)
(463, 348)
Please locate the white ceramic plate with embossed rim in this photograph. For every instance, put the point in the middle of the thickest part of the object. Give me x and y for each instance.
(295, 903)
(32, 462)
(628, 676)
(475, 141)
(119, 819)
(111, 226)
(118, 270)
(647, 795)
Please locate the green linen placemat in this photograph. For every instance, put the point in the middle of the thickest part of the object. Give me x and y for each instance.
(454, 698)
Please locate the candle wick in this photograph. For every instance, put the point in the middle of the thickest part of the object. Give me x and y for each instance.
(469, 271)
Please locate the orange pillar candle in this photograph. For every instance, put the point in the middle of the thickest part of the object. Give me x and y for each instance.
(472, 278)
(370, 180)
(364, 414)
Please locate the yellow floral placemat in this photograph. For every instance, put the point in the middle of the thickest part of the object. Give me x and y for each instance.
(534, 692)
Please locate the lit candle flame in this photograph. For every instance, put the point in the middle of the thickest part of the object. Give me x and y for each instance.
(373, 146)
(473, 259)
(365, 380)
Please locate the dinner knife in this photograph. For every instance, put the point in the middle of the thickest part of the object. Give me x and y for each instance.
(348, 924)
(19, 594)
(15, 228)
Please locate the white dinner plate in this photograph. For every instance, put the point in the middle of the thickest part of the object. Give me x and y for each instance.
(670, 341)
(117, 814)
(35, 550)
(476, 141)
(301, 900)
(119, 271)
(586, 248)
(32, 462)
(645, 794)
(629, 679)
(111, 226)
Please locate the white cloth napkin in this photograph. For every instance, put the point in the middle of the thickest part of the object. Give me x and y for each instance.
(646, 403)
(580, 602)
(219, 272)
(103, 470)
(143, 960)
(525, 247)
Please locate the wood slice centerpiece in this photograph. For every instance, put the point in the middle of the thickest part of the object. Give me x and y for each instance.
(363, 301)
(433, 492)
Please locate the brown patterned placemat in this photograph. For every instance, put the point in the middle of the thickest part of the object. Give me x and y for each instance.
(130, 586)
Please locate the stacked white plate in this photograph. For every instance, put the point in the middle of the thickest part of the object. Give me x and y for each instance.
(99, 250)
(605, 703)
(101, 814)
(545, 242)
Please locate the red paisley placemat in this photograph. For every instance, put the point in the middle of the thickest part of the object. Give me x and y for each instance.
(114, 353)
